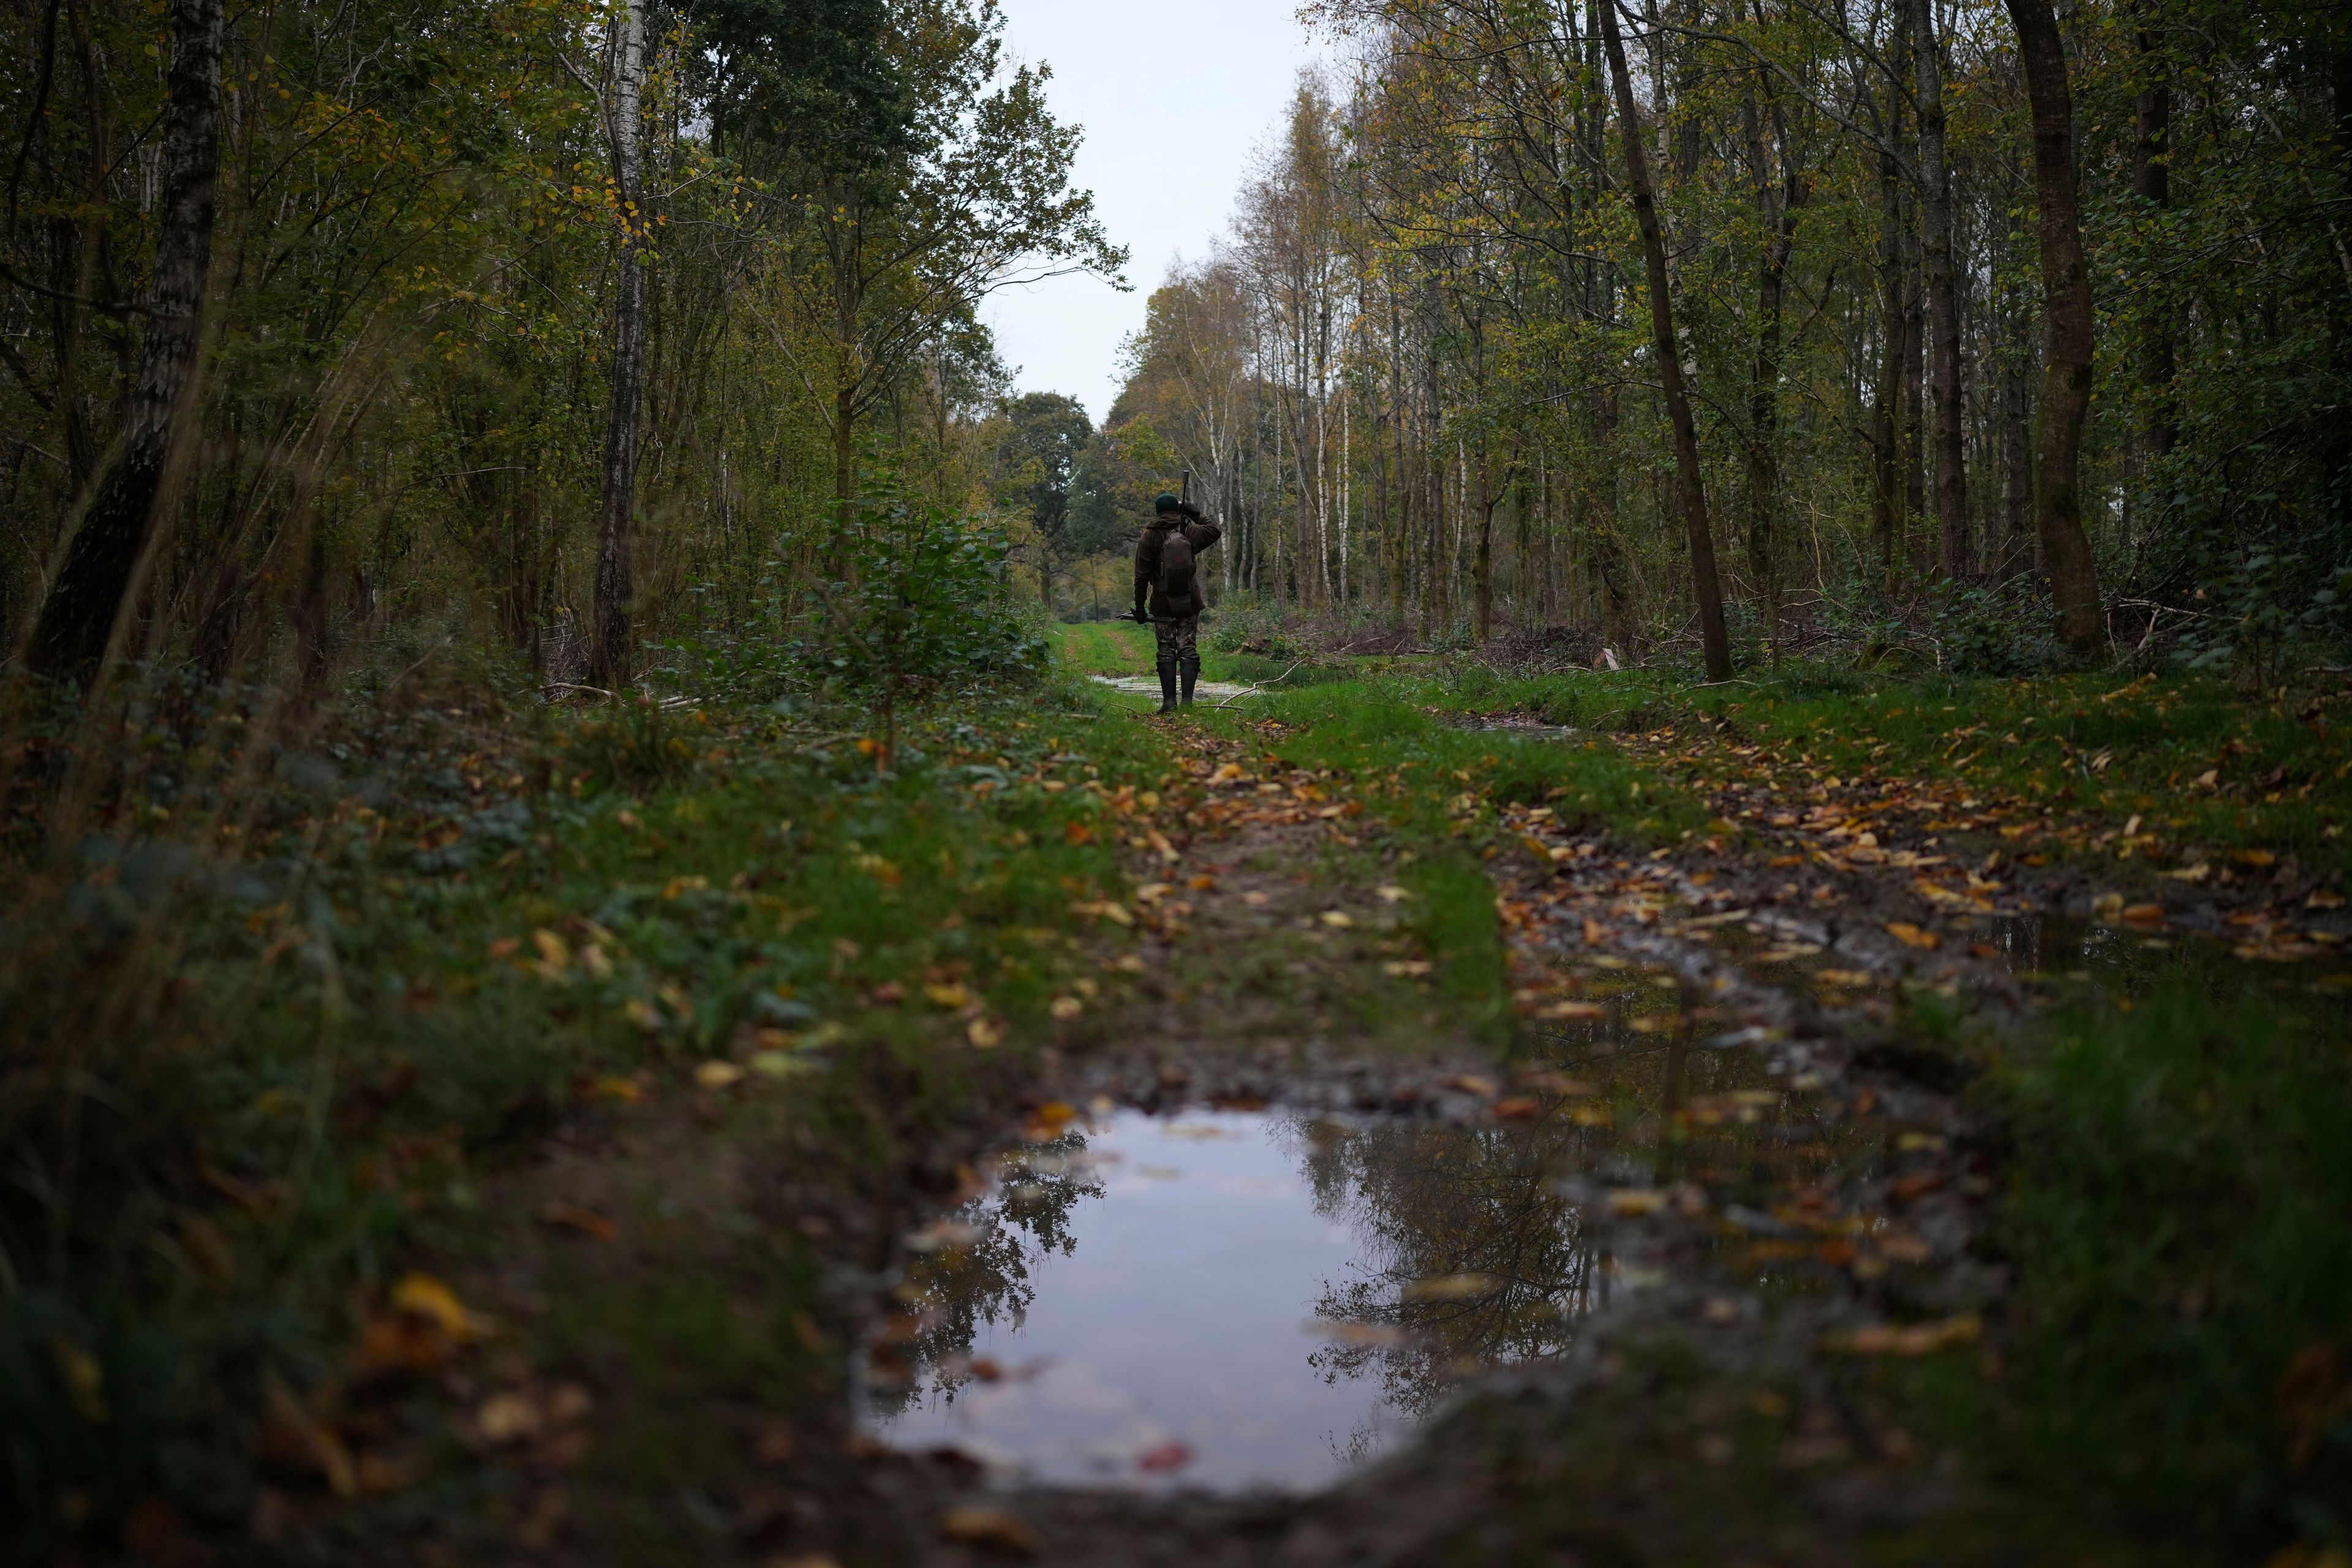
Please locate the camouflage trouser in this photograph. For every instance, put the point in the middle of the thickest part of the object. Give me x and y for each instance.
(1180, 635)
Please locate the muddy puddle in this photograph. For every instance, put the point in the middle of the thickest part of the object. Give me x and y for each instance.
(1148, 685)
(1266, 1298)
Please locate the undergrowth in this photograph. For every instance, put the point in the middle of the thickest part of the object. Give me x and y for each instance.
(2178, 1176)
(263, 1047)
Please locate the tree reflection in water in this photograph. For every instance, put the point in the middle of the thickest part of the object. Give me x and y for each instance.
(983, 1275)
(1462, 1251)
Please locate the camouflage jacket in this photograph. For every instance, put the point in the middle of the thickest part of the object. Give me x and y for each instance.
(1199, 535)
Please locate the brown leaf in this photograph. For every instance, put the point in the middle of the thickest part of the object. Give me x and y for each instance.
(588, 1222)
(1910, 935)
(293, 1439)
(993, 1529)
(1917, 1184)
(1907, 1339)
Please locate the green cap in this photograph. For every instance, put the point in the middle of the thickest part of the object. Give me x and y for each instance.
(1165, 501)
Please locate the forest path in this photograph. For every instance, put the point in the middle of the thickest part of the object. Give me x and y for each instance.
(1672, 1259)
(1703, 1201)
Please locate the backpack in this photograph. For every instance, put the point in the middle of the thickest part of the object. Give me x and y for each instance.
(1175, 581)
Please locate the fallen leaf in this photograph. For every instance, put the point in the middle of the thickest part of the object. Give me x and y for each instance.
(991, 1528)
(1407, 968)
(1910, 935)
(2144, 914)
(1517, 1109)
(1846, 977)
(986, 1034)
(2196, 873)
(291, 1439)
(423, 1296)
(1904, 1249)
(1572, 1012)
(1166, 1456)
(778, 1066)
(715, 1075)
(1336, 918)
(1631, 1202)
(954, 996)
(1917, 1184)
(1062, 1009)
(1390, 893)
(1379, 1335)
(588, 1222)
(1909, 1340)
(1546, 1081)
(508, 1417)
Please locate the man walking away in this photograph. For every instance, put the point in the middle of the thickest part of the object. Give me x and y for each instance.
(1166, 575)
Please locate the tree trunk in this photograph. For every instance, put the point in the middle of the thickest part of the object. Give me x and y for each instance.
(2066, 332)
(608, 646)
(1886, 418)
(1779, 227)
(106, 564)
(2152, 183)
(1482, 567)
(1714, 640)
(1943, 307)
(2016, 444)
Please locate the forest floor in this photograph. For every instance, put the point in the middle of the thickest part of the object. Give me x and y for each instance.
(1870, 1121)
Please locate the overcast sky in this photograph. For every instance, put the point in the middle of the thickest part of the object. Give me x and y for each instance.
(1174, 96)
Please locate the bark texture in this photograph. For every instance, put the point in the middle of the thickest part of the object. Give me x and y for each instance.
(1714, 641)
(2065, 398)
(106, 563)
(608, 642)
(1951, 493)
(2152, 183)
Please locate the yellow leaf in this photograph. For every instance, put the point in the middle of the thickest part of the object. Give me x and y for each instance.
(1910, 935)
(1451, 1287)
(423, 1296)
(717, 1074)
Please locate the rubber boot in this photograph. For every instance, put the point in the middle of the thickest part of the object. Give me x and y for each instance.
(1190, 669)
(1167, 685)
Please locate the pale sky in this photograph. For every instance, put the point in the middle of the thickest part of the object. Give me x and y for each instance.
(1174, 96)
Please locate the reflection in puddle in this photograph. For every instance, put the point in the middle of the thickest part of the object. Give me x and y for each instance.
(1136, 1304)
(1257, 1300)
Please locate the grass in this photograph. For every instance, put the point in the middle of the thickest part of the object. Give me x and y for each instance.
(2178, 1180)
(245, 1093)
(2097, 746)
